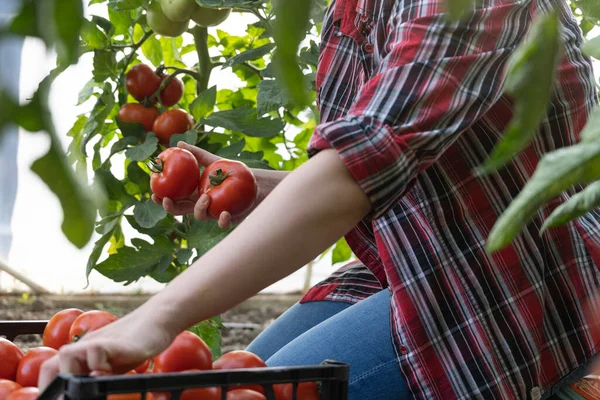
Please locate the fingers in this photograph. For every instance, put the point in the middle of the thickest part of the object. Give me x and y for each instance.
(181, 207)
(48, 372)
(225, 220)
(204, 157)
(201, 208)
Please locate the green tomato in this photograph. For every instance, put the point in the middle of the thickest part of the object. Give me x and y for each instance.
(178, 10)
(206, 17)
(160, 24)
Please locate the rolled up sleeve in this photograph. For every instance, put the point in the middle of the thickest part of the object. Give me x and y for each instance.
(437, 79)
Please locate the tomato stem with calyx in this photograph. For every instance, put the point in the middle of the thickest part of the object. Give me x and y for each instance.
(156, 165)
(217, 178)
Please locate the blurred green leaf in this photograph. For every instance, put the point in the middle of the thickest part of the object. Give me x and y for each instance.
(121, 20)
(105, 65)
(592, 47)
(245, 120)
(189, 137)
(63, 28)
(147, 213)
(249, 55)
(123, 5)
(579, 205)
(151, 48)
(591, 131)
(530, 79)
(556, 172)
(341, 252)
(92, 37)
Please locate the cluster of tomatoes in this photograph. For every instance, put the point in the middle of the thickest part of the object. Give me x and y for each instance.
(188, 353)
(172, 17)
(147, 86)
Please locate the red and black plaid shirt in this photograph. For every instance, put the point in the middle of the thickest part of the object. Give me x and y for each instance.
(414, 104)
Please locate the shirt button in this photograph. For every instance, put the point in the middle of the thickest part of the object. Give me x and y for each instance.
(369, 48)
(403, 350)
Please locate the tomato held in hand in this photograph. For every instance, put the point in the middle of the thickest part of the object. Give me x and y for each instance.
(142, 82)
(240, 359)
(187, 352)
(231, 187)
(7, 387)
(171, 94)
(27, 393)
(175, 174)
(135, 113)
(245, 394)
(88, 322)
(170, 123)
(56, 333)
(10, 357)
(306, 391)
(29, 367)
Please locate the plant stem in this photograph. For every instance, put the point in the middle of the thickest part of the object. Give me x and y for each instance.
(205, 65)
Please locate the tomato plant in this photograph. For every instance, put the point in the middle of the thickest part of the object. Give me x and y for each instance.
(29, 367)
(240, 359)
(7, 387)
(187, 352)
(88, 322)
(10, 356)
(171, 123)
(231, 187)
(26, 393)
(56, 333)
(175, 174)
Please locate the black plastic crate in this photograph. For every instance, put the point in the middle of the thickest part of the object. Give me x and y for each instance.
(331, 375)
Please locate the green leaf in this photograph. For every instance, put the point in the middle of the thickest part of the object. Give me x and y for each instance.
(151, 48)
(289, 30)
(459, 9)
(591, 131)
(138, 176)
(107, 231)
(170, 51)
(121, 20)
(163, 227)
(592, 47)
(25, 23)
(113, 187)
(142, 151)
(147, 213)
(341, 252)
(557, 171)
(105, 65)
(79, 209)
(204, 235)
(271, 97)
(87, 91)
(129, 264)
(97, 119)
(245, 120)
(249, 55)
(209, 331)
(131, 129)
(204, 103)
(530, 78)
(63, 28)
(189, 137)
(124, 5)
(590, 8)
(92, 37)
(579, 205)
(184, 255)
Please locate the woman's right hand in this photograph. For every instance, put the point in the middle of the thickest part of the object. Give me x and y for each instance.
(198, 205)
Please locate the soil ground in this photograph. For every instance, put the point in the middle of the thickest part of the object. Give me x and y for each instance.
(257, 313)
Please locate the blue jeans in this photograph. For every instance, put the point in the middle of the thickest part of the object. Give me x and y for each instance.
(359, 335)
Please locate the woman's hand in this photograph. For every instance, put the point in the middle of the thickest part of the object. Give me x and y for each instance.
(114, 349)
(198, 205)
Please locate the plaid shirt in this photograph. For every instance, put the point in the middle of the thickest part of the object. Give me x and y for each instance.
(413, 104)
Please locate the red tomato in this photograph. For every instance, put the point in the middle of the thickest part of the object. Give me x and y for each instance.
(143, 368)
(142, 82)
(135, 113)
(171, 94)
(129, 396)
(26, 393)
(56, 333)
(306, 391)
(170, 123)
(245, 394)
(10, 355)
(29, 367)
(240, 359)
(175, 174)
(88, 322)
(231, 186)
(187, 352)
(7, 387)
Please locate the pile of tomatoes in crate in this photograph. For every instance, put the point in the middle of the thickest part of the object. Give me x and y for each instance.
(188, 353)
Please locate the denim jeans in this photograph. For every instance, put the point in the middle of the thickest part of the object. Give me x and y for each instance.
(10, 65)
(359, 335)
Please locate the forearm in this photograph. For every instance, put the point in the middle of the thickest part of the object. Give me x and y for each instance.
(303, 216)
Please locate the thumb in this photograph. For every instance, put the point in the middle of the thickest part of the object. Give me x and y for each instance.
(203, 157)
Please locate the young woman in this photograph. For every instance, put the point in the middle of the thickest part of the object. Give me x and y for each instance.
(411, 105)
